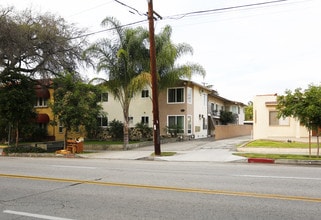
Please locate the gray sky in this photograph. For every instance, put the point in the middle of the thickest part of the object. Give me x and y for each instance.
(245, 52)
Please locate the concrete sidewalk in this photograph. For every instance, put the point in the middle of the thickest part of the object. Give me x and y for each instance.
(195, 150)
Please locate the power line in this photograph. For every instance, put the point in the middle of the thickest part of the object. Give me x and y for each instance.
(194, 13)
(180, 16)
(139, 13)
(109, 29)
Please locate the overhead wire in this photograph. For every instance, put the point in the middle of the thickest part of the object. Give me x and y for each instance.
(183, 15)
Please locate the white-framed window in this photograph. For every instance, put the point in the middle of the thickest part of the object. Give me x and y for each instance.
(175, 95)
(104, 97)
(102, 121)
(275, 121)
(189, 95)
(145, 93)
(176, 122)
(60, 127)
(145, 120)
(189, 124)
(41, 102)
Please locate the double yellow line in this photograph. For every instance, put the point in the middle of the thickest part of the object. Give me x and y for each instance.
(167, 188)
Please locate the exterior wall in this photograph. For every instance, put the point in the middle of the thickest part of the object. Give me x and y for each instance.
(262, 105)
(54, 134)
(139, 107)
(200, 100)
(230, 131)
(194, 107)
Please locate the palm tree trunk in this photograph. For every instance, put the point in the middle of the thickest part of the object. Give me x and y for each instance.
(126, 135)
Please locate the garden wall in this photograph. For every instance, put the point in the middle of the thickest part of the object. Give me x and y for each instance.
(230, 131)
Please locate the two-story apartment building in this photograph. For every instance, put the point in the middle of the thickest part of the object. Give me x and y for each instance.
(45, 118)
(187, 109)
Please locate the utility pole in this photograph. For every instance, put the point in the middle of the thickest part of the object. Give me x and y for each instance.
(152, 52)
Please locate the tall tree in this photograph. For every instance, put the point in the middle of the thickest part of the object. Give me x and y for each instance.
(43, 44)
(75, 103)
(125, 60)
(17, 96)
(303, 105)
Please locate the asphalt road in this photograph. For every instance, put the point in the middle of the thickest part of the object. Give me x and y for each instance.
(60, 188)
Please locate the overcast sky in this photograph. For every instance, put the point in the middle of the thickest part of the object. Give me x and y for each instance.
(246, 51)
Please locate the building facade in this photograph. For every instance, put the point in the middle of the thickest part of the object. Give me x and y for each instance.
(266, 124)
(188, 110)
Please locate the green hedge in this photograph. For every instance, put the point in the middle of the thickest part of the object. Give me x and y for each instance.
(24, 149)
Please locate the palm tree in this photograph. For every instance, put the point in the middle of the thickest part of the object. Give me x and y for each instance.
(124, 59)
(167, 54)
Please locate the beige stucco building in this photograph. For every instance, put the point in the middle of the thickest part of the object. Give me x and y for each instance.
(266, 125)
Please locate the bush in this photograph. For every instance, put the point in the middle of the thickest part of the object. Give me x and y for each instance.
(116, 130)
(24, 149)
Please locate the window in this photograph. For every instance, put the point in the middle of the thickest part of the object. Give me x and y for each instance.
(60, 127)
(41, 102)
(189, 124)
(204, 99)
(43, 126)
(130, 120)
(104, 97)
(204, 123)
(176, 123)
(189, 95)
(175, 95)
(145, 93)
(102, 121)
(145, 120)
(275, 121)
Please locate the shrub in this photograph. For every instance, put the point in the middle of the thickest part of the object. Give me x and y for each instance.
(24, 149)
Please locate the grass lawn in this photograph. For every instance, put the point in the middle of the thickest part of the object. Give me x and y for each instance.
(279, 144)
(165, 154)
(278, 156)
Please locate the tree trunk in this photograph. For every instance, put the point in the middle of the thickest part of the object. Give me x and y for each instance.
(318, 145)
(125, 128)
(65, 139)
(17, 134)
(126, 135)
(309, 142)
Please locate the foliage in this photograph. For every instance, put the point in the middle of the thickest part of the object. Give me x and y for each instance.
(144, 129)
(174, 130)
(125, 60)
(116, 129)
(76, 103)
(23, 149)
(249, 112)
(227, 117)
(303, 105)
(17, 98)
(167, 53)
(32, 43)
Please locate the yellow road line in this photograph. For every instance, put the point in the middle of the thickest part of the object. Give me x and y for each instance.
(166, 188)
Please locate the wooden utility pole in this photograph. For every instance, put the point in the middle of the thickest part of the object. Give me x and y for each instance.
(152, 52)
